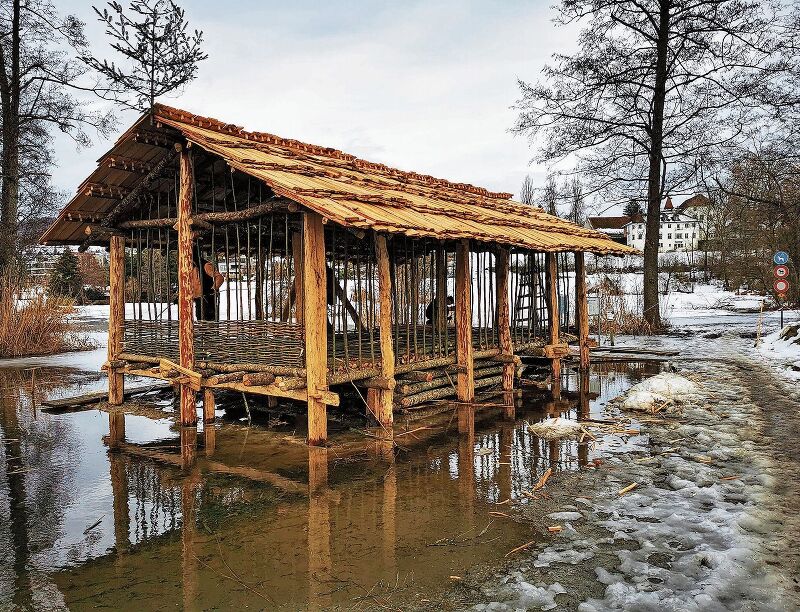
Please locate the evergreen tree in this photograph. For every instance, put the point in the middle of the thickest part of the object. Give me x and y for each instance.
(633, 208)
(65, 279)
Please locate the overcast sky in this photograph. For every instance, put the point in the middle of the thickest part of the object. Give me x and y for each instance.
(425, 86)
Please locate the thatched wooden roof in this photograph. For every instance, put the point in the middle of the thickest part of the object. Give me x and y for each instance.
(344, 189)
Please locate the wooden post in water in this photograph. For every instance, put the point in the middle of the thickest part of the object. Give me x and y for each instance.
(504, 329)
(380, 400)
(553, 319)
(209, 405)
(186, 271)
(315, 318)
(582, 310)
(465, 387)
(116, 317)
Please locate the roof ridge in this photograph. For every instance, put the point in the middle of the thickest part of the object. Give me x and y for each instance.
(183, 116)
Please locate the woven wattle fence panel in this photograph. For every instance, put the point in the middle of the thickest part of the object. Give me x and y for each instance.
(151, 338)
(258, 342)
(262, 342)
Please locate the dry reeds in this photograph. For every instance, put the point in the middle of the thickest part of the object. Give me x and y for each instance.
(35, 324)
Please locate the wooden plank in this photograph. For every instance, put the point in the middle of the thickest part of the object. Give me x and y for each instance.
(315, 317)
(116, 317)
(79, 401)
(504, 326)
(188, 402)
(465, 384)
(379, 401)
(552, 316)
(582, 310)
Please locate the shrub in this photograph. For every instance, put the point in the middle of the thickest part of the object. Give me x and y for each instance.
(36, 326)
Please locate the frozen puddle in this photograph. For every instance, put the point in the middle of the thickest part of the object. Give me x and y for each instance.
(686, 538)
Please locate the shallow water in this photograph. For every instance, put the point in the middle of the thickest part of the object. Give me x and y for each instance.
(104, 510)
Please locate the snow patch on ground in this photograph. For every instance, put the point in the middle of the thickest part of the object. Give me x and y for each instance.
(553, 429)
(783, 348)
(666, 390)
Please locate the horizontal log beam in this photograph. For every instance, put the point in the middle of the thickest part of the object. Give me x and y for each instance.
(103, 190)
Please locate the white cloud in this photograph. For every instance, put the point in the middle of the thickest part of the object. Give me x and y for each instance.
(423, 86)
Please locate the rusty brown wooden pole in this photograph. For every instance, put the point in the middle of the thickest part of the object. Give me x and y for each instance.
(116, 317)
(315, 318)
(188, 409)
(504, 328)
(582, 310)
(552, 316)
(465, 386)
(379, 401)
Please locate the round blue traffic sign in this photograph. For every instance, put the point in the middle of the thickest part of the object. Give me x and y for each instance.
(780, 258)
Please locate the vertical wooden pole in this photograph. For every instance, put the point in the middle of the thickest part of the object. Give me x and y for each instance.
(440, 316)
(116, 317)
(319, 530)
(297, 255)
(504, 328)
(185, 294)
(582, 310)
(209, 405)
(552, 316)
(315, 318)
(465, 387)
(379, 401)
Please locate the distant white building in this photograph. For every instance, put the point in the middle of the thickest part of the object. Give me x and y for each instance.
(678, 230)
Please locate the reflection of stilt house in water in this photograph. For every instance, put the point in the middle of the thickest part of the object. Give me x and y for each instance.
(244, 261)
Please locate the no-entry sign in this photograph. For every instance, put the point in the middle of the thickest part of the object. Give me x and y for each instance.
(781, 271)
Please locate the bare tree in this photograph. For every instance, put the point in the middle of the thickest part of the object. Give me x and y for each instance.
(527, 193)
(550, 196)
(161, 55)
(653, 85)
(577, 206)
(39, 88)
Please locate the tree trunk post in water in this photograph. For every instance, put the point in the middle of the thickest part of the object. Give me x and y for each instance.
(315, 318)
(380, 401)
(582, 310)
(185, 294)
(504, 329)
(116, 317)
(552, 319)
(465, 387)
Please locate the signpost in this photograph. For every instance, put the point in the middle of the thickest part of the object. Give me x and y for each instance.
(781, 272)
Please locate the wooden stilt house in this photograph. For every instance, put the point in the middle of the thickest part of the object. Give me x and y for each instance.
(244, 261)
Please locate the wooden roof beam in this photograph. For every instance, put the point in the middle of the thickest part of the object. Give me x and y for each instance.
(106, 191)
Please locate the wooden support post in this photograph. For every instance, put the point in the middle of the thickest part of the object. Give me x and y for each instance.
(553, 319)
(297, 255)
(582, 310)
(116, 318)
(504, 329)
(188, 410)
(208, 405)
(465, 388)
(379, 401)
(315, 317)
